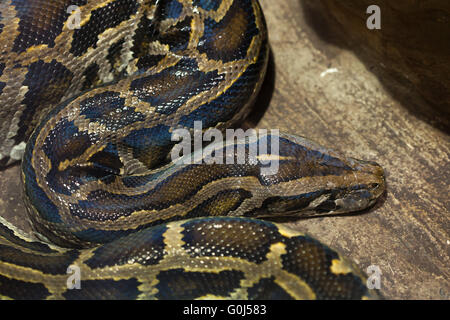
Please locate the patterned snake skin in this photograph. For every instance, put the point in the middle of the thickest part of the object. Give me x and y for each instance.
(91, 111)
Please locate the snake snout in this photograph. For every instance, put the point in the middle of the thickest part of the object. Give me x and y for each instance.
(365, 184)
(371, 181)
(376, 184)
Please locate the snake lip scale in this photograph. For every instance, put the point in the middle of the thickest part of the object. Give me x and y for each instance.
(91, 110)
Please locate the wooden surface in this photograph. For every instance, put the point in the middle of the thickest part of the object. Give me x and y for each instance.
(347, 108)
(411, 47)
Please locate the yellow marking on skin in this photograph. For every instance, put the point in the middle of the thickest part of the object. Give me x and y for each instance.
(173, 237)
(274, 157)
(148, 289)
(220, 13)
(340, 266)
(17, 232)
(90, 151)
(206, 65)
(156, 48)
(55, 284)
(89, 9)
(36, 49)
(276, 250)
(298, 289)
(84, 256)
(173, 259)
(197, 29)
(288, 232)
(272, 267)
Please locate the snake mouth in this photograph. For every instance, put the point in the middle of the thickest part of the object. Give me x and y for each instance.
(330, 201)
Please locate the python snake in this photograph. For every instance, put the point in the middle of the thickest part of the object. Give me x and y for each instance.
(96, 91)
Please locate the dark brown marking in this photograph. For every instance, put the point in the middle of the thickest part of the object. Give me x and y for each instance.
(22, 290)
(47, 83)
(41, 21)
(106, 289)
(267, 289)
(249, 241)
(311, 261)
(230, 38)
(100, 20)
(180, 284)
(47, 263)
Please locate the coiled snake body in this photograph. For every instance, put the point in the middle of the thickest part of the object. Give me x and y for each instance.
(97, 92)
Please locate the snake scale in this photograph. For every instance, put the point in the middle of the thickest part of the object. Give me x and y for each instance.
(91, 93)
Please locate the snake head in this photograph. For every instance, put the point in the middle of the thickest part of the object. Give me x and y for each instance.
(313, 180)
